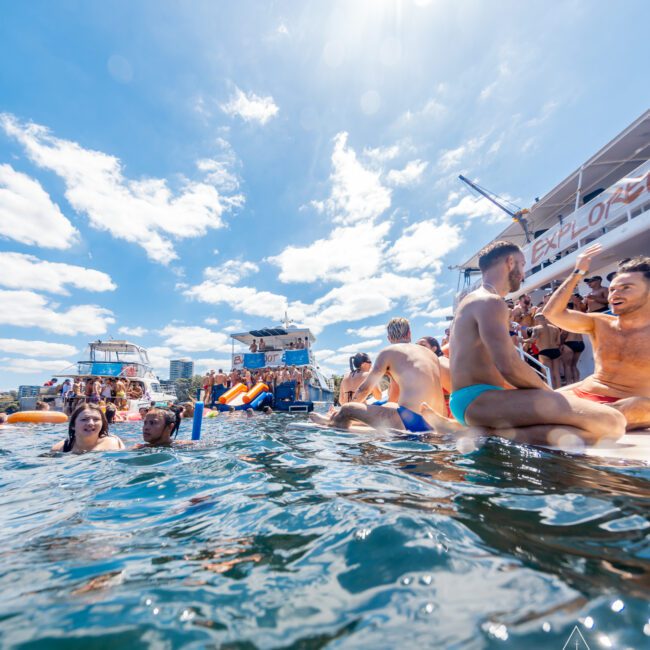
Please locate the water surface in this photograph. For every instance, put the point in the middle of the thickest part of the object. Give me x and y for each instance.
(267, 537)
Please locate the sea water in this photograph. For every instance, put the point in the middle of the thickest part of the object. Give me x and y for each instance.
(268, 537)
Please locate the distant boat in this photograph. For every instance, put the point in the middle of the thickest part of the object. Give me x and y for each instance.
(280, 350)
(115, 359)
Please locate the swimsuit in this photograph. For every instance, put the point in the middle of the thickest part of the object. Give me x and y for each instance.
(412, 421)
(551, 353)
(576, 346)
(460, 399)
(595, 397)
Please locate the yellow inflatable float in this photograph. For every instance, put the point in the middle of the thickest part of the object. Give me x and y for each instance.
(38, 417)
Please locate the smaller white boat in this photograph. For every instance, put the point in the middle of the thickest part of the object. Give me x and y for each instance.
(122, 359)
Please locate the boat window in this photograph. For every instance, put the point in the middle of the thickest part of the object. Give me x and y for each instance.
(155, 387)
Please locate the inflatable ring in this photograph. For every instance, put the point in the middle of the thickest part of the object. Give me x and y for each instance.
(38, 417)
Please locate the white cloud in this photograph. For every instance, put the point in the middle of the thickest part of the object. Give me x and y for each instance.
(218, 173)
(410, 175)
(250, 107)
(211, 321)
(452, 158)
(357, 192)
(360, 346)
(144, 212)
(32, 366)
(194, 338)
(439, 326)
(203, 365)
(424, 244)
(439, 312)
(369, 331)
(19, 271)
(160, 356)
(382, 155)
(433, 110)
(28, 215)
(231, 271)
(133, 331)
(36, 348)
(29, 309)
(234, 325)
(476, 208)
(348, 253)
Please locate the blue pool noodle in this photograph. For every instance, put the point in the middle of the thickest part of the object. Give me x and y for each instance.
(198, 419)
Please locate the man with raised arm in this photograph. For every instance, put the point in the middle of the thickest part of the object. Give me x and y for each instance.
(414, 368)
(484, 362)
(621, 341)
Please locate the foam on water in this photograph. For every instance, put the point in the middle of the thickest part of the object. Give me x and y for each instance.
(263, 536)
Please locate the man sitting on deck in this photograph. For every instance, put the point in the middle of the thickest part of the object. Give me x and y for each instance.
(621, 341)
(414, 368)
(484, 362)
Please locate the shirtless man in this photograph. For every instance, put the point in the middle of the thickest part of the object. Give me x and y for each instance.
(547, 339)
(414, 368)
(524, 312)
(621, 341)
(484, 362)
(253, 347)
(597, 299)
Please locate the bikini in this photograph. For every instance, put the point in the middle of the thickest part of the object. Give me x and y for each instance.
(595, 397)
(460, 399)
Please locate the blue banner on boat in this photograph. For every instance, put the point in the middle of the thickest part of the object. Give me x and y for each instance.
(296, 357)
(254, 360)
(106, 369)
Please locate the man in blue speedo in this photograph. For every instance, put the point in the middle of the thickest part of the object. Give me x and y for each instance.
(414, 368)
(484, 362)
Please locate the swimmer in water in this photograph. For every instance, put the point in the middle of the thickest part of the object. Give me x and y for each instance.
(159, 427)
(88, 431)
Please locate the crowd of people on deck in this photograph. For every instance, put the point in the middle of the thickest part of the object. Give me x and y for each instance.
(297, 344)
(105, 390)
(217, 383)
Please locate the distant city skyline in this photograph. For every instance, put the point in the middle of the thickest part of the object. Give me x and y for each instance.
(181, 369)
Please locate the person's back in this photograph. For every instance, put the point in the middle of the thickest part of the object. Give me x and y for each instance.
(472, 362)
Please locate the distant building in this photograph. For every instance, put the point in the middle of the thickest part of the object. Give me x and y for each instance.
(181, 369)
(28, 391)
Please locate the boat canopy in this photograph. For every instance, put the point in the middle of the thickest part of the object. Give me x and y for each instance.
(274, 335)
(614, 161)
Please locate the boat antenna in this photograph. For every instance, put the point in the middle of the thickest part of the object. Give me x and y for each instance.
(287, 322)
(517, 213)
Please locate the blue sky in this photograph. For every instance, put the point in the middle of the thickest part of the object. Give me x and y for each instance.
(171, 172)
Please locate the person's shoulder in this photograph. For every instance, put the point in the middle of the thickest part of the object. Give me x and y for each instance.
(58, 446)
(111, 442)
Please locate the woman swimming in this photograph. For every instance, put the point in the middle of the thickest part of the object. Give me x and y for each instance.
(88, 431)
(160, 426)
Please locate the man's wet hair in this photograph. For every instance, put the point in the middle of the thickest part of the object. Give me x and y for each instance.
(398, 328)
(639, 264)
(494, 252)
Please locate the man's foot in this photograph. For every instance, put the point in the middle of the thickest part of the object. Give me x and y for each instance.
(318, 418)
(437, 422)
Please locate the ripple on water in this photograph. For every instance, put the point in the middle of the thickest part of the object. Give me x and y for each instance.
(267, 537)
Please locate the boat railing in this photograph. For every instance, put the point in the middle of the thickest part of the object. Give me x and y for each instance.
(537, 366)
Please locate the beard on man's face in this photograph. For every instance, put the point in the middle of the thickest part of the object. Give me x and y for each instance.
(514, 279)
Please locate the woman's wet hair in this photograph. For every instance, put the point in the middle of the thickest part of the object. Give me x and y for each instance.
(358, 360)
(433, 342)
(88, 406)
(171, 416)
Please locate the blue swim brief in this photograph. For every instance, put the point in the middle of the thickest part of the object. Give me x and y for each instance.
(380, 402)
(462, 398)
(413, 422)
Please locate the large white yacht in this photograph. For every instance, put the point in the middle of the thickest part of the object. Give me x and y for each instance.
(113, 359)
(607, 199)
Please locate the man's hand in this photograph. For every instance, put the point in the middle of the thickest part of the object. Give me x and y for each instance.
(583, 261)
